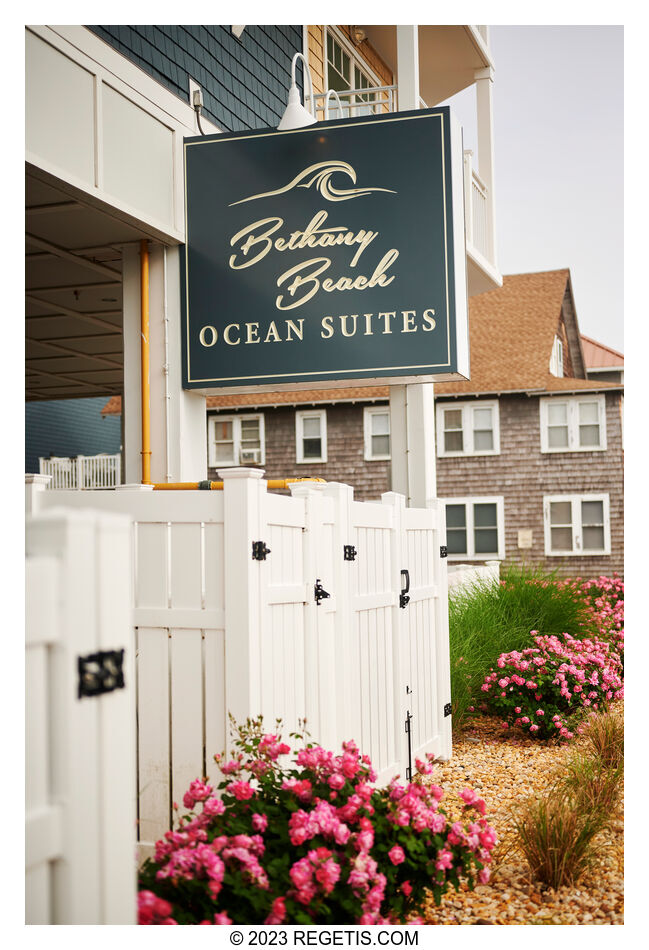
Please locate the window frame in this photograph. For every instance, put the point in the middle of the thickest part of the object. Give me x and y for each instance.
(300, 416)
(368, 413)
(576, 500)
(556, 358)
(467, 409)
(356, 62)
(236, 419)
(469, 501)
(572, 417)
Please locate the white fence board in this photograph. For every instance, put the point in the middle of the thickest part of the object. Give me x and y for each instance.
(219, 632)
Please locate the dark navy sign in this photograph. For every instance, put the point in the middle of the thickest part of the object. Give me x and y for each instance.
(334, 252)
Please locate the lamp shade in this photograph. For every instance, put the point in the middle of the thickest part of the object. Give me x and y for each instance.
(295, 116)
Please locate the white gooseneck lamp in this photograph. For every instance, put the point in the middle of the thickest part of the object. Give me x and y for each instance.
(296, 116)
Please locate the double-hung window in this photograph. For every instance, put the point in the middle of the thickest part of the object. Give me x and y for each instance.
(576, 524)
(574, 424)
(475, 528)
(468, 428)
(235, 440)
(376, 425)
(311, 435)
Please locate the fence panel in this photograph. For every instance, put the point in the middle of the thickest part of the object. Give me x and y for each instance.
(81, 788)
(219, 631)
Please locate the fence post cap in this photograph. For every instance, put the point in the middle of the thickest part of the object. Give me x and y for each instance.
(134, 486)
(32, 478)
(231, 473)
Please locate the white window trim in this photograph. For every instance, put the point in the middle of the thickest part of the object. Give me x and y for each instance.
(469, 501)
(577, 542)
(352, 52)
(573, 422)
(236, 421)
(467, 409)
(556, 359)
(300, 416)
(368, 412)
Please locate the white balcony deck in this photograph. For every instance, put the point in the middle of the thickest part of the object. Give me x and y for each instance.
(83, 471)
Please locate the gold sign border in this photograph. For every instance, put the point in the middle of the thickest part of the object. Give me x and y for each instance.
(310, 128)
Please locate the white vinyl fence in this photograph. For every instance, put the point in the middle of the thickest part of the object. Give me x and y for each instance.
(80, 818)
(309, 627)
(464, 576)
(83, 471)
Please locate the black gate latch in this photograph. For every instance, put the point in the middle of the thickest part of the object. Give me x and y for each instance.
(100, 672)
(349, 552)
(319, 592)
(259, 550)
(403, 597)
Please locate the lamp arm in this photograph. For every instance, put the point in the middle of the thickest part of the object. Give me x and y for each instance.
(307, 73)
(331, 92)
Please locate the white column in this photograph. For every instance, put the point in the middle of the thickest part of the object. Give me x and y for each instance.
(178, 421)
(412, 431)
(408, 67)
(484, 106)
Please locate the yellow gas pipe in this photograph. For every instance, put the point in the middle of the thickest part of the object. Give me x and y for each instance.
(273, 483)
(144, 351)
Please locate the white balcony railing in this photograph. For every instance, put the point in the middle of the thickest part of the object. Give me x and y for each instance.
(83, 471)
(355, 102)
(476, 209)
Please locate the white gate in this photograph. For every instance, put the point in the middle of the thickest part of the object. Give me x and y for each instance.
(248, 602)
(80, 748)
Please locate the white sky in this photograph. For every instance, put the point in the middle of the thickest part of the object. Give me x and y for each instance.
(559, 161)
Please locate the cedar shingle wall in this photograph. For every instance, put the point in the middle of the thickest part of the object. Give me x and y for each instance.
(345, 449)
(245, 81)
(522, 475)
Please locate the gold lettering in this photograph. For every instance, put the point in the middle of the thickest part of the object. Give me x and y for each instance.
(254, 239)
(272, 329)
(429, 320)
(203, 336)
(252, 333)
(226, 334)
(408, 321)
(327, 329)
(343, 324)
(386, 320)
(299, 332)
(324, 263)
(368, 324)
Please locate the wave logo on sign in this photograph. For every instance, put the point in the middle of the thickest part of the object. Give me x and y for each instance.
(319, 176)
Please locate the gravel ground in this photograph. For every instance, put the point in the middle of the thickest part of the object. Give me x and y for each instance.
(503, 771)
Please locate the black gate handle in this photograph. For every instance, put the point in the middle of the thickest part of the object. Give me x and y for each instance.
(403, 597)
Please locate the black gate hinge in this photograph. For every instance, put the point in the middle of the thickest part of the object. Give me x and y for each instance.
(100, 672)
(259, 550)
(319, 592)
(443, 550)
(349, 552)
(447, 709)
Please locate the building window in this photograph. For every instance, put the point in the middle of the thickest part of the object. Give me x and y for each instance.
(556, 360)
(346, 71)
(475, 528)
(311, 435)
(576, 524)
(376, 424)
(468, 428)
(577, 424)
(235, 440)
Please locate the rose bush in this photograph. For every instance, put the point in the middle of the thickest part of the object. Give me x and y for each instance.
(310, 840)
(548, 688)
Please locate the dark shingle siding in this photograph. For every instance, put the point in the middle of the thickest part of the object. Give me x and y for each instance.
(67, 427)
(245, 82)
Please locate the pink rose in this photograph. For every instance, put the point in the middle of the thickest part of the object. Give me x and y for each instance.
(397, 854)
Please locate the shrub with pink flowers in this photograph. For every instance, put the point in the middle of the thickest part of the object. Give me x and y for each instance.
(604, 600)
(310, 840)
(548, 688)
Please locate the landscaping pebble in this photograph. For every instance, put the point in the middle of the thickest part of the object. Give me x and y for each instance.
(506, 769)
